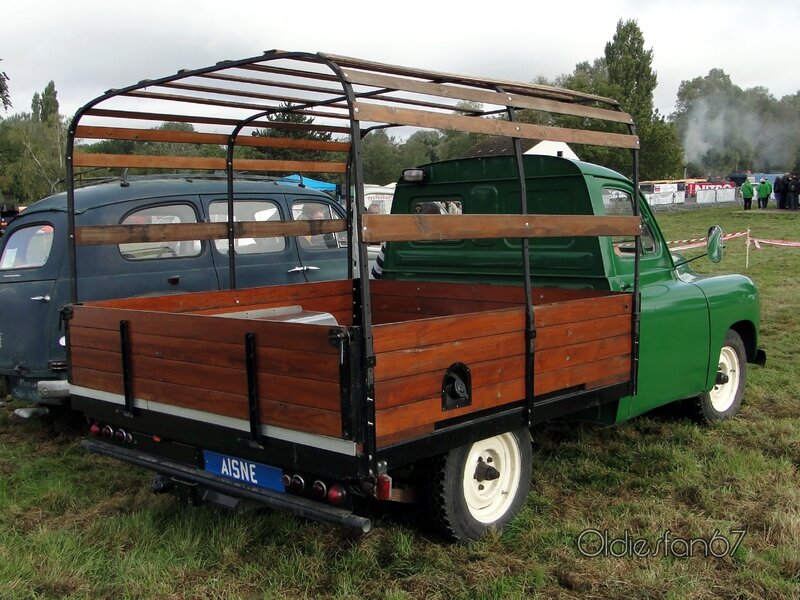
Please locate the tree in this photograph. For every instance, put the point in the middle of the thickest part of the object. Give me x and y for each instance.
(5, 94)
(290, 123)
(630, 71)
(380, 157)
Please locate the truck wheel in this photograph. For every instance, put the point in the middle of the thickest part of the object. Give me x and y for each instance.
(725, 398)
(480, 486)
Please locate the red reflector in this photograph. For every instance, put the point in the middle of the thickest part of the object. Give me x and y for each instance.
(156, 439)
(383, 487)
(95, 430)
(337, 495)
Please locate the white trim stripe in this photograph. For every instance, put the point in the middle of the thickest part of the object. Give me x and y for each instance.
(323, 442)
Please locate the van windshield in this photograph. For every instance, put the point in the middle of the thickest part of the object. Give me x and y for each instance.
(27, 248)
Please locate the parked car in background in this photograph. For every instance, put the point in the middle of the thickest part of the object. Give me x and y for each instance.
(35, 274)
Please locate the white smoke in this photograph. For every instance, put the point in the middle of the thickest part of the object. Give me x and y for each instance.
(713, 126)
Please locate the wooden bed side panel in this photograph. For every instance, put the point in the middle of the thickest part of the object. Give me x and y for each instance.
(88, 321)
(199, 363)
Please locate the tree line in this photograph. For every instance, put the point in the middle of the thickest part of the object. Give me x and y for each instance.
(716, 128)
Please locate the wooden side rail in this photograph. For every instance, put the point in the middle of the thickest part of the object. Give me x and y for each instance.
(92, 235)
(405, 228)
(192, 137)
(435, 120)
(484, 96)
(141, 161)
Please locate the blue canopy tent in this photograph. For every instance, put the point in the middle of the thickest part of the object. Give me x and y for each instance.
(313, 184)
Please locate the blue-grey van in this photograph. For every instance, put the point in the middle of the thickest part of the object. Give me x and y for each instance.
(35, 268)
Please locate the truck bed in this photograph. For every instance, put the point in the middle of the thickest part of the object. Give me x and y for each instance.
(184, 359)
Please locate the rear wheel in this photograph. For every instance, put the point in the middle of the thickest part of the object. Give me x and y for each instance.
(724, 400)
(480, 486)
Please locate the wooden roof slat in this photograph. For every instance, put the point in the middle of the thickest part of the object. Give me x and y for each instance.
(246, 94)
(171, 117)
(486, 83)
(188, 137)
(405, 228)
(93, 235)
(140, 161)
(420, 118)
(484, 96)
(273, 83)
(290, 72)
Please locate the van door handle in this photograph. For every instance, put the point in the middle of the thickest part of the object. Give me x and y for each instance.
(297, 269)
(174, 279)
(45, 298)
(310, 268)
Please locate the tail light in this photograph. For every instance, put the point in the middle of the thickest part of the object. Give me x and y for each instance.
(383, 487)
(319, 489)
(108, 432)
(95, 430)
(337, 495)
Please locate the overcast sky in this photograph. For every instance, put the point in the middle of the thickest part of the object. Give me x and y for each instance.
(89, 46)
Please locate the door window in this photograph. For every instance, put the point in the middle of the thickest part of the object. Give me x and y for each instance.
(161, 215)
(248, 210)
(27, 248)
(620, 203)
(305, 210)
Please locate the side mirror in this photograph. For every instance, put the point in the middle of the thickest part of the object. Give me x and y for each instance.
(714, 244)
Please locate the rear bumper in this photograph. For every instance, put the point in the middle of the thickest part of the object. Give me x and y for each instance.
(289, 503)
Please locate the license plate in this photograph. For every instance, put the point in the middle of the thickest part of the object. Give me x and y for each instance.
(245, 471)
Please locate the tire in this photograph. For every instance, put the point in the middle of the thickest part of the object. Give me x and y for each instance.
(724, 400)
(480, 486)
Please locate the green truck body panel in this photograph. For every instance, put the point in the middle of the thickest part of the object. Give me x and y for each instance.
(684, 317)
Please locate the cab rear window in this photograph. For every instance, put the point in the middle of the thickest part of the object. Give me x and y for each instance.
(27, 248)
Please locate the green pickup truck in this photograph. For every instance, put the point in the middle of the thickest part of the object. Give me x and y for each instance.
(515, 290)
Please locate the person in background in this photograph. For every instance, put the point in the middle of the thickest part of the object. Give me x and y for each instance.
(764, 192)
(747, 194)
(792, 191)
(779, 187)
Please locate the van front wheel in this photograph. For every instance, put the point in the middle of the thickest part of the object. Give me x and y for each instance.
(724, 400)
(480, 486)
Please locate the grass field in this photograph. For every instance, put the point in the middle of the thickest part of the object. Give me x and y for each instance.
(79, 526)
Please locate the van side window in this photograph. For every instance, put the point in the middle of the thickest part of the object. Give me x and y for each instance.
(161, 215)
(27, 248)
(439, 207)
(306, 210)
(248, 210)
(619, 202)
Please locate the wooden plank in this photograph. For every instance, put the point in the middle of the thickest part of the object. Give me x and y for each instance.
(182, 118)
(412, 361)
(442, 330)
(89, 235)
(486, 83)
(581, 331)
(420, 118)
(426, 308)
(404, 228)
(418, 414)
(582, 310)
(191, 137)
(94, 324)
(141, 161)
(615, 369)
(295, 417)
(484, 96)
(413, 388)
(404, 435)
(564, 357)
(295, 293)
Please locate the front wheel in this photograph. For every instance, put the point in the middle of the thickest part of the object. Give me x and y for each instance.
(480, 486)
(724, 400)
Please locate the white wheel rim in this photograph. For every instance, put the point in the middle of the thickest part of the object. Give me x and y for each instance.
(490, 499)
(723, 394)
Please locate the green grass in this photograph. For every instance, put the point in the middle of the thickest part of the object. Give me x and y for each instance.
(74, 525)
